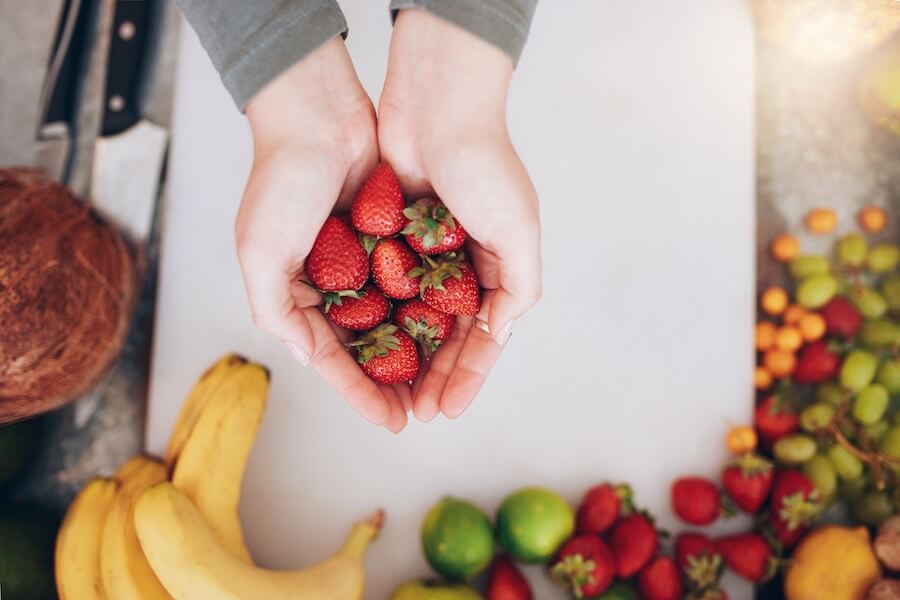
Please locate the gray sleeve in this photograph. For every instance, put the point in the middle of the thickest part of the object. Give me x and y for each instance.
(251, 42)
(504, 23)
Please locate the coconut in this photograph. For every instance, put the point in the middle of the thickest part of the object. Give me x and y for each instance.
(67, 285)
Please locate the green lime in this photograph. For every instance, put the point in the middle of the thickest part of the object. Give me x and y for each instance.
(457, 539)
(18, 443)
(533, 523)
(619, 590)
(26, 554)
(431, 590)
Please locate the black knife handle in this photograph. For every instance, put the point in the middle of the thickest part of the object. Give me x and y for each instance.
(123, 75)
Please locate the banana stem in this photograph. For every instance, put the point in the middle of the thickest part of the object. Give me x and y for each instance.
(361, 535)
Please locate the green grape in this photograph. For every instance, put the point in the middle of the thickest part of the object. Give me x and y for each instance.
(851, 249)
(816, 290)
(890, 289)
(875, 432)
(871, 508)
(870, 404)
(809, 264)
(821, 473)
(830, 393)
(816, 416)
(868, 302)
(795, 448)
(890, 444)
(845, 464)
(878, 334)
(883, 258)
(858, 370)
(889, 375)
(852, 489)
(895, 419)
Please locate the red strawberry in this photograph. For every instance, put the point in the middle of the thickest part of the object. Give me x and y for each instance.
(585, 565)
(773, 420)
(795, 504)
(748, 555)
(841, 317)
(449, 284)
(660, 580)
(698, 558)
(387, 355)
(696, 500)
(378, 205)
(360, 312)
(633, 541)
(392, 261)
(748, 481)
(816, 363)
(601, 506)
(431, 229)
(337, 261)
(506, 582)
(425, 324)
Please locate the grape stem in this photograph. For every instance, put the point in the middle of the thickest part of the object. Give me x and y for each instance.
(873, 459)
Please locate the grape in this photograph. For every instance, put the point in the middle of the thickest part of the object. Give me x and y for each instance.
(868, 302)
(829, 393)
(871, 508)
(858, 370)
(896, 419)
(870, 404)
(816, 290)
(875, 432)
(889, 376)
(809, 264)
(816, 416)
(795, 448)
(890, 289)
(851, 249)
(883, 258)
(845, 464)
(821, 473)
(890, 445)
(852, 489)
(881, 333)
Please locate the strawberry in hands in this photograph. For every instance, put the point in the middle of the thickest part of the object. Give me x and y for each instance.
(392, 266)
(387, 355)
(431, 229)
(448, 283)
(423, 323)
(359, 312)
(377, 208)
(337, 263)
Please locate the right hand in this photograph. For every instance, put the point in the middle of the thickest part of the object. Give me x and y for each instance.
(315, 141)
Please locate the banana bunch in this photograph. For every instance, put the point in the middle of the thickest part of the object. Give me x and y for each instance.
(162, 529)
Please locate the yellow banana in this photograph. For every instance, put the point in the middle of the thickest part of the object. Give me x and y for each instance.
(193, 565)
(211, 464)
(78, 542)
(193, 406)
(125, 571)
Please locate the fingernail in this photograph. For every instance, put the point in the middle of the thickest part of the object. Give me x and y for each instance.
(299, 355)
(482, 325)
(503, 335)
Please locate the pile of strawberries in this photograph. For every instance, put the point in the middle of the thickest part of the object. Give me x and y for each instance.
(389, 255)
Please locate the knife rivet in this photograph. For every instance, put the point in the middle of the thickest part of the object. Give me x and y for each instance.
(126, 30)
(116, 103)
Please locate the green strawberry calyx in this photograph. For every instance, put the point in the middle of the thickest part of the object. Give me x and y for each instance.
(334, 297)
(429, 220)
(576, 571)
(626, 498)
(379, 342)
(422, 332)
(798, 510)
(752, 464)
(435, 271)
(704, 571)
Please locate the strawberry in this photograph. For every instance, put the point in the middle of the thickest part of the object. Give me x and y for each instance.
(337, 261)
(748, 481)
(601, 506)
(696, 500)
(795, 504)
(360, 312)
(431, 229)
(706, 594)
(377, 208)
(816, 363)
(425, 324)
(698, 558)
(387, 355)
(774, 420)
(841, 317)
(660, 580)
(748, 555)
(449, 284)
(392, 263)
(585, 565)
(506, 582)
(633, 541)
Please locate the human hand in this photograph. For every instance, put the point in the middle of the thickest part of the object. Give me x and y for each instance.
(442, 126)
(314, 143)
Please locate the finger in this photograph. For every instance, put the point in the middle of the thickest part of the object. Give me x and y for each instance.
(477, 356)
(427, 399)
(397, 421)
(405, 394)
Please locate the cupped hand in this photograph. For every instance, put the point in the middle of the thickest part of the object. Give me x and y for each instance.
(442, 126)
(314, 143)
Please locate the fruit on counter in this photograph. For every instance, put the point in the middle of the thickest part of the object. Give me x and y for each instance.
(808, 264)
(871, 508)
(633, 541)
(762, 378)
(191, 563)
(846, 465)
(889, 375)
(841, 317)
(749, 555)
(812, 326)
(774, 419)
(872, 218)
(785, 247)
(816, 290)
(360, 312)
(337, 261)
(883, 258)
(880, 334)
(619, 590)
(858, 370)
(890, 289)
(794, 449)
(585, 566)
(77, 557)
(210, 468)
(449, 284)
(660, 580)
(816, 416)
(869, 302)
(870, 404)
(821, 220)
(431, 590)
(457, 539)
(696, 500)
(747, 481)
(780, 363)
(816, 363)
(425, 324)
(506, 582)
(699, 560)
(741, 439)
(533, 523)
(377, 208)
(431, 229)
(18, 444)
(887, 543)
(387, 354)
(393, 264)
(852, 249)
(886, 589)
(832, 563)
(829, 393)
(792, 314)
(774, 300)
(788, 338)
(601, 506)
(764, 335)
(890, 445)
(821, 473)
(795, 504)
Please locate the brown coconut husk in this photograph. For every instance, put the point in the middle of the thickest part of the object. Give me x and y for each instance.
(67, 286)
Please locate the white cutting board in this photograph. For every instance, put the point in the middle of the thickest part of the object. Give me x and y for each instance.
(635, 119)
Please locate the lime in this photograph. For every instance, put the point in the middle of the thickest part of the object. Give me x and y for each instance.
(457, 539)
(533, 523)
(429, 590)
(26, 553)
(18, 443)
